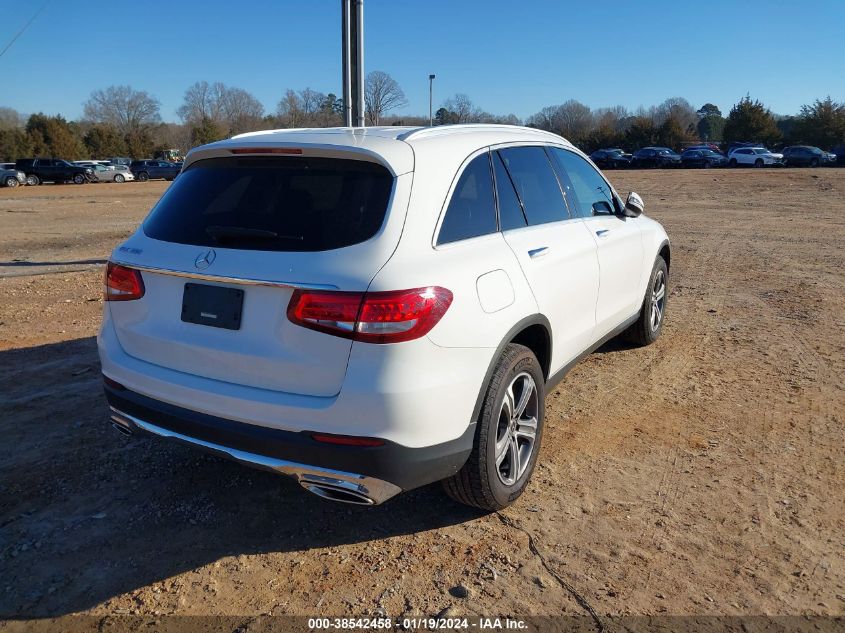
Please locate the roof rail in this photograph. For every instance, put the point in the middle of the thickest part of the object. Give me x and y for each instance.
(276, 131)
(437, 130)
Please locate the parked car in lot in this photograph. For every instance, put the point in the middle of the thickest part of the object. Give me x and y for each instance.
(655, 157)
(154, 169)
(755, 157)
(111, 174)
(839, 152)
(612, 158)
(294, 303)
(705, 158)
(90, 163)
(710, 146)
(11, 177)
(807, 156)
(120, 160)
(55, 170)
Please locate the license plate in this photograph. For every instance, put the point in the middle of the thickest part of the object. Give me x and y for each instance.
(214, 306)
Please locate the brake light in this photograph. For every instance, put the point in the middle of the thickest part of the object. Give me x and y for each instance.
(371, 317)
(122, 283)
(266, 150)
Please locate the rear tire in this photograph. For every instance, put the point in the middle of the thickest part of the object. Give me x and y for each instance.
(507, 435)
(814, 162)
(11, 181)
(649, 323)
(118, 178)
(33, 180)
(79, 179)
(143, 176)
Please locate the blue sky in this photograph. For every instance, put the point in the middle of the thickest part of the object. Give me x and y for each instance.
(507, 56)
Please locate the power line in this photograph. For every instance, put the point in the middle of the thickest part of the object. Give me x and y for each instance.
(25, 27)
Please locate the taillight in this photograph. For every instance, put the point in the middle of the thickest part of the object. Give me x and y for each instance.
(371, 317)
(122, 283)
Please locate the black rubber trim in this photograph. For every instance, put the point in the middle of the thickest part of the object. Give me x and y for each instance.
(660, 248)
(405, 467)
(534, 319)
(561, 374)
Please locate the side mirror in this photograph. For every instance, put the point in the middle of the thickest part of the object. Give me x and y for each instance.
(634, 205)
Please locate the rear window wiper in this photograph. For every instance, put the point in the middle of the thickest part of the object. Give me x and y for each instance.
(243, 232)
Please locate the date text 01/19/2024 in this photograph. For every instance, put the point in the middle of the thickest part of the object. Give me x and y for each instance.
(417, 624)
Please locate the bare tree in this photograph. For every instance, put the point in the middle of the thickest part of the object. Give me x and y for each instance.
(571, 119)
(198, 103)
(574, 120)
(128, 110)
(11, 119)
(679, 109)
(461, 109)
(301, 109)
(242, 111)
(381, 95)
(233, 110)
(290, 111)
(311, 100)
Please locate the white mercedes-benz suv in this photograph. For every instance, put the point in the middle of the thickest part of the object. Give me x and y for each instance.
(371, 310)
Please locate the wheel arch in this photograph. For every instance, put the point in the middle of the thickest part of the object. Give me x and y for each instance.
(664, 251)
(535, 333)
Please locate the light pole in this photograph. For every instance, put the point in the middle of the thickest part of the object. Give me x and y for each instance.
(430, 93)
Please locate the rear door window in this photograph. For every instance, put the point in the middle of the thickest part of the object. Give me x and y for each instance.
(273, 204)
(536, 184)
(511, 215)
(472, 209)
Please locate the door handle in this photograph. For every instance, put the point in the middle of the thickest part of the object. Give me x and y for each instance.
(534, 253)
(602, 232)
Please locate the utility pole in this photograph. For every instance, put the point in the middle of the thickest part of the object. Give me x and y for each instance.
(430, 99)
(353, 62)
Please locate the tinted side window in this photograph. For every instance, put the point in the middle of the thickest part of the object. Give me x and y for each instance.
(536, 184)
(511, 215)
(471, 211)
(585, 184)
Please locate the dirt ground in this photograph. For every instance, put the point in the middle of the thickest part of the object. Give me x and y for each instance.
(701, 475)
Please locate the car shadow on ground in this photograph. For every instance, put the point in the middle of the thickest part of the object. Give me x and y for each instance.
(87, 514)
(616, 344)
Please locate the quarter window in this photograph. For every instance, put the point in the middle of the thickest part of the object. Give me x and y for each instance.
(536, 184)
(584, 186)
(472, 210)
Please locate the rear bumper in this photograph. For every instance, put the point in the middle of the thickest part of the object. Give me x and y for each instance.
(374, 472)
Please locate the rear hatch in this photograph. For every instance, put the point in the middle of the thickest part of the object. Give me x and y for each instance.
(223, 250)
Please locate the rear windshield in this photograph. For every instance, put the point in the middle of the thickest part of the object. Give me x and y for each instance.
(273, 204)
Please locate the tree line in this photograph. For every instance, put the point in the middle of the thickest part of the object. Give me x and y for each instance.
(122, 121)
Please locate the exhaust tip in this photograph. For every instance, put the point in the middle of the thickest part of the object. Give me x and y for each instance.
(121, 428)
(336, 493)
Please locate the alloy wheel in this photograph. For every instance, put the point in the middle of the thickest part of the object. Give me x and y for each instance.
(658, 300)
(516, 432)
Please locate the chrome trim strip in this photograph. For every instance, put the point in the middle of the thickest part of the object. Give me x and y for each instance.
(307, 476)
(222, 279)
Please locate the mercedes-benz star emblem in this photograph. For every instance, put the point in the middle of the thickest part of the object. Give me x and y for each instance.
(206, 259)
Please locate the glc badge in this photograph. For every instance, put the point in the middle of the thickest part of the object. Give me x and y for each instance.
(206, 259)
